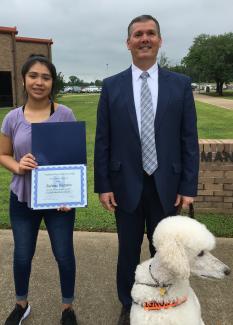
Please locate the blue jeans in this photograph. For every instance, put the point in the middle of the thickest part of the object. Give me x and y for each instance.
(25, 224)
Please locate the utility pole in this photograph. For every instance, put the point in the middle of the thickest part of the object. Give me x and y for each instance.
(107, 68)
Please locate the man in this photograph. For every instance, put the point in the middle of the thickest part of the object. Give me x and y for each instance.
(146, 150)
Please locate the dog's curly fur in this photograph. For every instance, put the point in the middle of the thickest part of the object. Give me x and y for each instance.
(183, 248)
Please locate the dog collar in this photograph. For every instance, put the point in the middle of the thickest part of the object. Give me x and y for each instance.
(162, 290)
(163, 287)
(153, 305)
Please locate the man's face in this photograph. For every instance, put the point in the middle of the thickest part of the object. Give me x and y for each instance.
(144, 42)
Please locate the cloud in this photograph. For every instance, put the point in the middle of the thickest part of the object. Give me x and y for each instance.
(89, 36)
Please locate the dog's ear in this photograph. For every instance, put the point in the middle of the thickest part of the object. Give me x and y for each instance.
(172, 256)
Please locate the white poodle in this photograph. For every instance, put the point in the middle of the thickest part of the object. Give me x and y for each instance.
(161, 293)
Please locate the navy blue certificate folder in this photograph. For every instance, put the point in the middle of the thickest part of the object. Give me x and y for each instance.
(59, 143)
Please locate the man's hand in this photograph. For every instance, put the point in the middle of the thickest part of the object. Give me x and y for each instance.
(184, 201)
(108, 201)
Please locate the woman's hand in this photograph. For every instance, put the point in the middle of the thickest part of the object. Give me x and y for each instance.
(64, 209)
(27, 163)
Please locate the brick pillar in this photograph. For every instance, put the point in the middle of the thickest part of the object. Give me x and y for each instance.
(215, 187)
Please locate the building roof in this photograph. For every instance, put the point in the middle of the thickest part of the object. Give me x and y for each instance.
(13, 30)
(34, 40)
(8, 30)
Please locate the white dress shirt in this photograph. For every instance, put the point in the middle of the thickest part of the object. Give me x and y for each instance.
(152, 81)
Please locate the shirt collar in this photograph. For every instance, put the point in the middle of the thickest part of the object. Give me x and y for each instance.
(137, 72)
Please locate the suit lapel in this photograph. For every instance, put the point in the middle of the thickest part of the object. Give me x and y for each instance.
(163, 97)
(127, 91)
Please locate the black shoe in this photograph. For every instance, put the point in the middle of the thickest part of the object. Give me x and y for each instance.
(124, 318)
(68, 317)
(18, 315)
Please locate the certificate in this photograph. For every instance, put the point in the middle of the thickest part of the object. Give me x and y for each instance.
(54, 186)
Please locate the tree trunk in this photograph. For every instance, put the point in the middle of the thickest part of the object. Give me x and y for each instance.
(220, 88)
(219, 85)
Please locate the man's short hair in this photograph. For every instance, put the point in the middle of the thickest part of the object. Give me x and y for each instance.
(143, 18)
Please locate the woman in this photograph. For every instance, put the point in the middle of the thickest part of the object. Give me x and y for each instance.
(39, 76)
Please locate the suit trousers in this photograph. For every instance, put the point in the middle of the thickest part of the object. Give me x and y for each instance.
(131, 229)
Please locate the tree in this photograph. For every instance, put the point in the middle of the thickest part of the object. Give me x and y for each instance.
(60, 83)
(163, 60)
(179, 68)
(98, 83)
(211, 58)
(73, 81)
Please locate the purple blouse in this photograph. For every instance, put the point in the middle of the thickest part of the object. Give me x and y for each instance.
(18, 129)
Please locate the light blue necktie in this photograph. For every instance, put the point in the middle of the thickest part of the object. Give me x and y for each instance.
(149, 155)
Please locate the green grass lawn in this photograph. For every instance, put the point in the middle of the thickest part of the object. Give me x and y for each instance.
(212, 123)
(227, 94)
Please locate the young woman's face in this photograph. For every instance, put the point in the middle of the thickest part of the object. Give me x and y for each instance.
(38, 81)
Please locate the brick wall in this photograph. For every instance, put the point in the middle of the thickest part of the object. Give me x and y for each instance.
(6, 61)
(6, 57)
(215, 188)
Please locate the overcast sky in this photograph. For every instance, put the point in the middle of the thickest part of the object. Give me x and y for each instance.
(89, 35)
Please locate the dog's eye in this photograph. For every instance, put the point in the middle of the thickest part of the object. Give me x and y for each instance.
(201, 254)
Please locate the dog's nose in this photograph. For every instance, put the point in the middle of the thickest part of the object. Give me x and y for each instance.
(227, 271)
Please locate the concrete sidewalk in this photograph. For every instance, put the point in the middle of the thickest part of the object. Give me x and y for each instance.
(217, 101)
(97, 302)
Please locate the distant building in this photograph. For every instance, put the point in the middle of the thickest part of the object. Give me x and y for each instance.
(14, 51)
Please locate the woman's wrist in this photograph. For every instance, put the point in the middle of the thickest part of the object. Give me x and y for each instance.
(20, 171)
